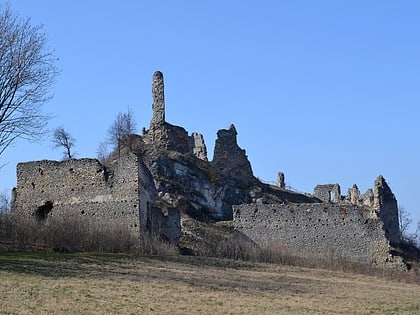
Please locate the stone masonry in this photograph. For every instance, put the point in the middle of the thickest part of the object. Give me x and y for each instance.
(83, 188)
(158, 99)
(329, 230)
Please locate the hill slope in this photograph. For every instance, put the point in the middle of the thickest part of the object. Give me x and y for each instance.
(126, 284)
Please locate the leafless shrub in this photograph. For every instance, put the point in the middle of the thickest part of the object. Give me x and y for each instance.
(152, 244)
(73, 234)
(123, 125)
(103, 153)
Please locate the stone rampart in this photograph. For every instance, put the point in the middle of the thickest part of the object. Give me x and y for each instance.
(317, 230)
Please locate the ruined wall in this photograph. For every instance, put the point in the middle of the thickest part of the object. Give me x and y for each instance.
(229, 159)
(355, 197)
(328, 192)
(385, 204)
(317, 230)
(168, 137)
(83, 188)
(197, 146)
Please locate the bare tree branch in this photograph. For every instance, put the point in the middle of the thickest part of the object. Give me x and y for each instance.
(404, 221)
(123, 125)
(102, 153)
(27, 72)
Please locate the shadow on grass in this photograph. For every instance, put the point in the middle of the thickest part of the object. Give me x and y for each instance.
(56, 265)
(209, 273)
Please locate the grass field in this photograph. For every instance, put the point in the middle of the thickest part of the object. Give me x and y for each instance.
(129, 284)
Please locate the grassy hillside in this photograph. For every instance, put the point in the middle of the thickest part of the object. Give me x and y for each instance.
(130, 284)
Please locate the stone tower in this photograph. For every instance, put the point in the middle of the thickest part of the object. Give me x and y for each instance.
(158, 105)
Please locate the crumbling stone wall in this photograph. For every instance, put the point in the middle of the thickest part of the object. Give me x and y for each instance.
(229, 159)
(328, 192)
(358, 228)
(198, 147)
(316, 230)
(355, 197)
(385, 204)
(50, 189)
(280, 180)
(167, 137)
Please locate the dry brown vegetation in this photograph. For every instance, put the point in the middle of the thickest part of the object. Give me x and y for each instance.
(129, 284)
(73, 234)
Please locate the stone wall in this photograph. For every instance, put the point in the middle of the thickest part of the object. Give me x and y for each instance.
(83, 187)
(197, 146)
(317, 230)
(328, 192)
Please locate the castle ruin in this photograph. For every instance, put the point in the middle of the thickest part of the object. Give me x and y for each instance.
(165, 175)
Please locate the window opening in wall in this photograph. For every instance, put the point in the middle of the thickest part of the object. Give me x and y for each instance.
(330, 196)
(42, 212)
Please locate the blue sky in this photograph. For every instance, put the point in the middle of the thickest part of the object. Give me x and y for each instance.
(324, 91)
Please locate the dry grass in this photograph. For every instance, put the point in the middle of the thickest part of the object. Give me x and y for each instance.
(74, 234)
(129, 284)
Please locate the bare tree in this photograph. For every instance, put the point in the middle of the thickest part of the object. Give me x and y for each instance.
(27, 72)
(62, 139)
(4, 203)
(404, 221)
(102, 153)
(123, 125)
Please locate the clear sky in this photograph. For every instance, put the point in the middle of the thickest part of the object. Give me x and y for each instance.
(324, 91)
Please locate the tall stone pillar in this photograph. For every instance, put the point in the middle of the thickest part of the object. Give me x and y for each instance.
(158, 105)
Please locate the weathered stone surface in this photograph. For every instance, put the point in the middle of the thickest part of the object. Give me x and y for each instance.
(349, 229)
(355, 198)
(158, 94)
(317, 230)
(386, 206)
(198, 146)
(229, 159)
(280, 180)
(328, 192)
(81, 188)
(167, 137)
(84, 188)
